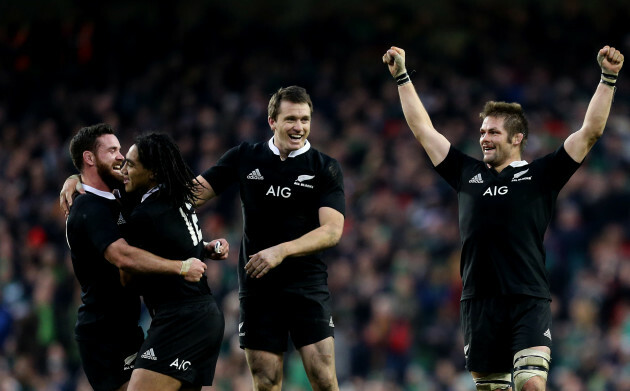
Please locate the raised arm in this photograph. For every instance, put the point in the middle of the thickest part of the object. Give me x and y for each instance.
(325, 236)
(433, 142)
(134, 260)
(578, 144)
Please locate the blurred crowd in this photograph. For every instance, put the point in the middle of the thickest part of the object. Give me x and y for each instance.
(204, 74)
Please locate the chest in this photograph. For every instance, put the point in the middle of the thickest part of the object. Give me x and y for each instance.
(512, 190)
(282, 182)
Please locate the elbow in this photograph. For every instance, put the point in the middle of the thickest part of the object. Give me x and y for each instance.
(334, 236)
(117, 254)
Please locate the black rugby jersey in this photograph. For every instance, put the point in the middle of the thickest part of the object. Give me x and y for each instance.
(502, 221)
(158, 227)
(108, 308)
(280, 201)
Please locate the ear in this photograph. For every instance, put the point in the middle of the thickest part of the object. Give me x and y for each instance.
(89, 158)
(517, 139)
(272, 123)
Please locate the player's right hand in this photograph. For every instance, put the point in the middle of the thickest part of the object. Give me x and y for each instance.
(71, 186)
(395, 60)
(196, 270)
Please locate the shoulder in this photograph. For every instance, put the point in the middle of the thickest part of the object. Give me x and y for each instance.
(154, 205)
(89, 201)
(321, 158)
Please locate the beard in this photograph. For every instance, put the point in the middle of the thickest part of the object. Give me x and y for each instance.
(111, 178)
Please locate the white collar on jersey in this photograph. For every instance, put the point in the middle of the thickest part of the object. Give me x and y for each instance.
(100, 193)
(519, 163)
(295, 153)
(151, 191)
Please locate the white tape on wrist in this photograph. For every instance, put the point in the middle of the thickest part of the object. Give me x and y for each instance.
(185, 267)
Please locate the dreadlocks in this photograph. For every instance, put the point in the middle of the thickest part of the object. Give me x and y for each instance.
(158, 153)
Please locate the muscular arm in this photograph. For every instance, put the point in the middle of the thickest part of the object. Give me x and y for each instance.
(204, 192)
(325, 236)
(134, 260)
(433, 142)
(578, 144)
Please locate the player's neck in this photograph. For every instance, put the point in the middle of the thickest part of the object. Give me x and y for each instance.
(91, 178)
(509, 161)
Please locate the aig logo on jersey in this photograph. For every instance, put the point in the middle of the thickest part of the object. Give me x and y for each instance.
(181, 365)
(496, 190)
(277, 191)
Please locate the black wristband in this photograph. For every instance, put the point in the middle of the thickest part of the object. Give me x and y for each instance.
(608, 79)
(402, 79)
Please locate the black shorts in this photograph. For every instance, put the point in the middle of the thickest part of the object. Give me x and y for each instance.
(108, 364)
(184, 341)
(267, 320)
(497, 328)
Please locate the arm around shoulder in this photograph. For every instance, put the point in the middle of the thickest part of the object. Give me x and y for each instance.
(205, 192)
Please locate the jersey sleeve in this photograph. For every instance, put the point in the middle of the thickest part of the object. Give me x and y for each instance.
(559, 167)
(223, 174)
(333, 195)
(96, 220)
(451, 167)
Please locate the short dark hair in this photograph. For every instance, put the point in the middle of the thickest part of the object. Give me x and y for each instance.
(514, 119)
(86, 139)
(158, 153)
(293, 94)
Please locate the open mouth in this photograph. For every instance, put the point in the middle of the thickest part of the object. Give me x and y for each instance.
(295, 136)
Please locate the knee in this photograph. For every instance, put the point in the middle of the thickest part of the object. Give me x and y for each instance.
(535, 383)
(530, 370)
(323, 379)
(266, 380)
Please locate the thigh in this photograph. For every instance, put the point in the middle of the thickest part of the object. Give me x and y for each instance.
(310, 316)
(319, 357)
(184, 343)
(263, 364)
(108, 365)
(262, 324)
(146, 380)
(487, 335)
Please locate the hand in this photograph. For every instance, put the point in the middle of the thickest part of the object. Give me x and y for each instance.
(195, 271)
(263, 261)
(395, 60)
(610, 60)
(210, 249)
(71, 186)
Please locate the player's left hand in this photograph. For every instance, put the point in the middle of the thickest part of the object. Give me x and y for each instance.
(217, 249)
(263, 261)
(610, 60)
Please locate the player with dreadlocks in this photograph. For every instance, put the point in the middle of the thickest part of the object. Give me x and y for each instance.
(182, 345)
